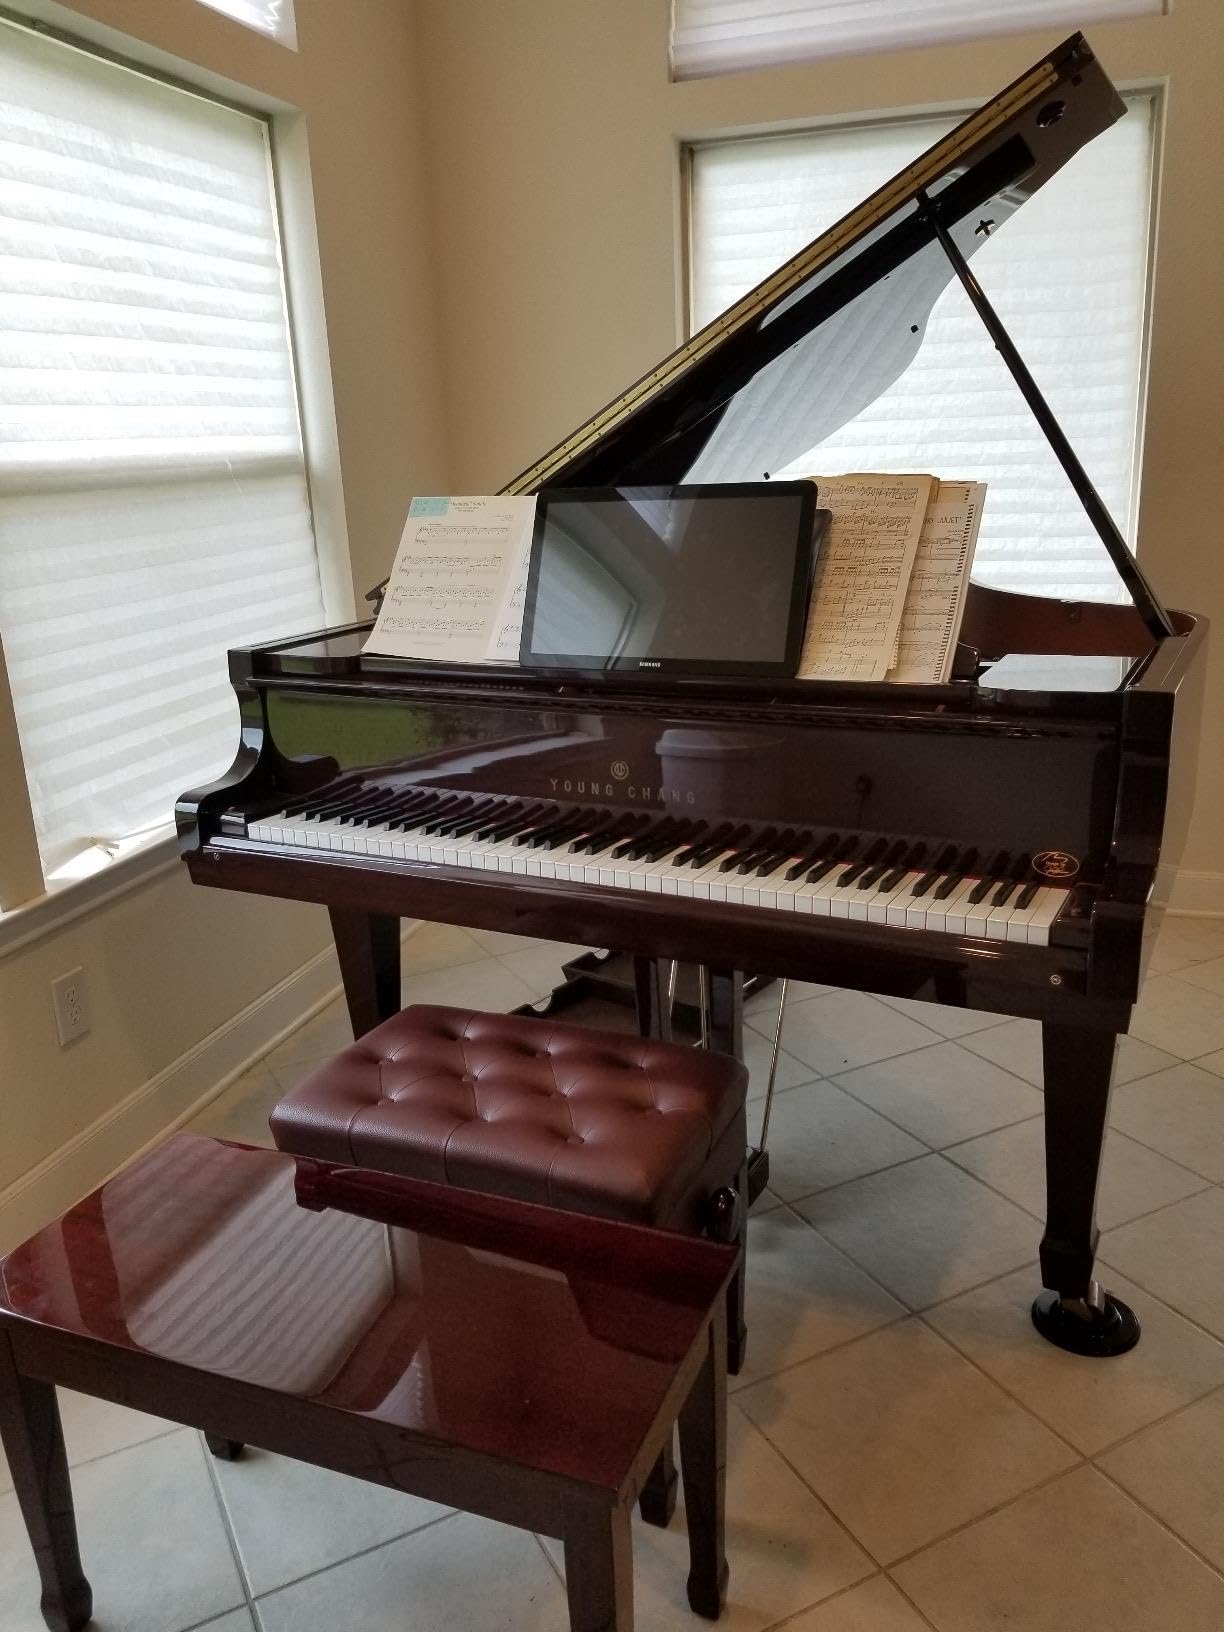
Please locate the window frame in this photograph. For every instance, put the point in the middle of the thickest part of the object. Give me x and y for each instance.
(1151, 87)
(31, 903)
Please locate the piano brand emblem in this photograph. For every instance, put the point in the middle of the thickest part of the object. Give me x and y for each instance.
(619, 769)
(1055, 864)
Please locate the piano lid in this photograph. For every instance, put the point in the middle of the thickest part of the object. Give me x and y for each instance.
(822, 337)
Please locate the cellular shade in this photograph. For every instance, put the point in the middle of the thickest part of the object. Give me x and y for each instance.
(1067, 273)
(720, 36)
(153, 499)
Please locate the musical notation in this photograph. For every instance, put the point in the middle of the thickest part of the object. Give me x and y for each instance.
(935, 601)
(862, 574)
(456, 590)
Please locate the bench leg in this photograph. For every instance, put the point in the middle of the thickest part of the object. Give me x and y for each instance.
(598, 1566)
(657, 1501)
(34, 1442)
(703, 1463)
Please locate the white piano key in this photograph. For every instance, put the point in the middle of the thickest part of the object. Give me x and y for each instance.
(1040, 923)
(948, 916)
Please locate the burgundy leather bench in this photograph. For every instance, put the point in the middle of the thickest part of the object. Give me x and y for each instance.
(512, 1105)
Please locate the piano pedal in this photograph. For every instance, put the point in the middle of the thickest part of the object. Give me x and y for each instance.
(1098, 1326)
(758, 1173)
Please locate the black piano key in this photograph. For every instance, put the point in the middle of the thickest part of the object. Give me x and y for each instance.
(454, 826)
(686, 833)
(648, 835)
(500, 827)
(887, 862)
(544, 838)
(393, 806)
(705, 854)
(716, 836)
(1019, 870)
(869, 858)
(436, 820)
(768, 856)
(944, 861)
(411, 817)
(625, 825)
(816, 853)
(1027, 895)
(844, 852)
(749, 848)
(990, 877)
(593, 831)
(798, 844)
(909, 861)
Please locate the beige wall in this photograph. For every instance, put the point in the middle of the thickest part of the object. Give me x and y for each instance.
(166, 963)
(552, 142)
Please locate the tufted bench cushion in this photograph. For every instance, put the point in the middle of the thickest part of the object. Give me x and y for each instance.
(517, 1106)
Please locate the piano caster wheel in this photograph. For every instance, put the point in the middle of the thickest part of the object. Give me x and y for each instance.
(1098, 1328)
(225, 1450)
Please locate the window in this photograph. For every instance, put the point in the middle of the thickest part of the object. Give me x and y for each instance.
(274, 17)
(153, 499)
(719, 36)
(1067, 274)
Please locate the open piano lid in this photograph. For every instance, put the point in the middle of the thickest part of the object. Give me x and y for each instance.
(822, 337)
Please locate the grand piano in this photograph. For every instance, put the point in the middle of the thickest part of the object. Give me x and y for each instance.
(990, 843)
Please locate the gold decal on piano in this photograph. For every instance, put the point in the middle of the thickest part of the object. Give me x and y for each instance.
(1055, 864)
(619, 769)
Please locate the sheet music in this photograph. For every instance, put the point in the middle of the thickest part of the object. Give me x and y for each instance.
(456, 590)
(935, 601)
(862, 574)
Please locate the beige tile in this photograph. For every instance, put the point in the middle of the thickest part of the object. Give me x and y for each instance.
(290, 1519)
(540, 966)
(902, 1437)
(1190, 940)
(1176, 1469)
(464, 1573)
(1077, 1554)
(1177, 1253)
(843, 1029)
(238, 1620)
(763, 1005)
(152, 1542)
(1174, 1015)
(874, 1606)
(94, 1428)
(1212, 1062)
(926, 1230)
(1016, 1046)
(945, 1018)
(819, 1136)
(790, 1073)
(242, 1111)
(784, 1549)
(1179, 1112)
(324, 1033)
(1090, 1402)
(1209, 975)
(1134, 1179)
(498, 942)
(803, 1296)
(488, 984)
(943, 1094)
(439, 946)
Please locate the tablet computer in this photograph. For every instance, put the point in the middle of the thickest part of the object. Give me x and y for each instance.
(694, 579)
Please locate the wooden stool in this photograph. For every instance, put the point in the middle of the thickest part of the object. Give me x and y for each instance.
(512, 1105)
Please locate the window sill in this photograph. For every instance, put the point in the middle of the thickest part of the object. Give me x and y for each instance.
(71, 898)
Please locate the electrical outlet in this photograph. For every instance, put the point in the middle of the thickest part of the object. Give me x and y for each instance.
(68, 1000)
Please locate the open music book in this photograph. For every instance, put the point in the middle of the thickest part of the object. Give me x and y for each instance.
(456, 590)
(891, 578)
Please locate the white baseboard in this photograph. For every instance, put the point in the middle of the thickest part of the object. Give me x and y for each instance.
(168, 1100)
(1197, 895)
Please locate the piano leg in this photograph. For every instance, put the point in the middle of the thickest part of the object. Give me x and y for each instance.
(652, 997)
(368, 946)
(1074, 1311)
(726, 1034)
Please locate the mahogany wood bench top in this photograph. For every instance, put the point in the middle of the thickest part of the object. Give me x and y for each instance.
(515, 1361)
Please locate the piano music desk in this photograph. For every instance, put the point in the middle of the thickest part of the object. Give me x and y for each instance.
(518, 1362)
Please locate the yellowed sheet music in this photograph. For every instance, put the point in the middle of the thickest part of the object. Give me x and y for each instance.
(456, 590)
(939, 582)
(862, 574)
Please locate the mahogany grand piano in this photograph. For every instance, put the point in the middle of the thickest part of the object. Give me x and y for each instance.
(989, 843)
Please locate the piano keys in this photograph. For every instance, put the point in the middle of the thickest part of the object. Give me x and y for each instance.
(994, 842)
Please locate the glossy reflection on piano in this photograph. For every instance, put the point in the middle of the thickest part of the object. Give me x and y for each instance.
(990, 843)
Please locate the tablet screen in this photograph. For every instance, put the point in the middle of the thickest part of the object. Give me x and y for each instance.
(690, 579)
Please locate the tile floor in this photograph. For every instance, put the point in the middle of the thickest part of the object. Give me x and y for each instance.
(905, 1452)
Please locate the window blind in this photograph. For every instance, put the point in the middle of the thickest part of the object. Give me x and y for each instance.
(153, 499)
(1067, 275)
(720, 36)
